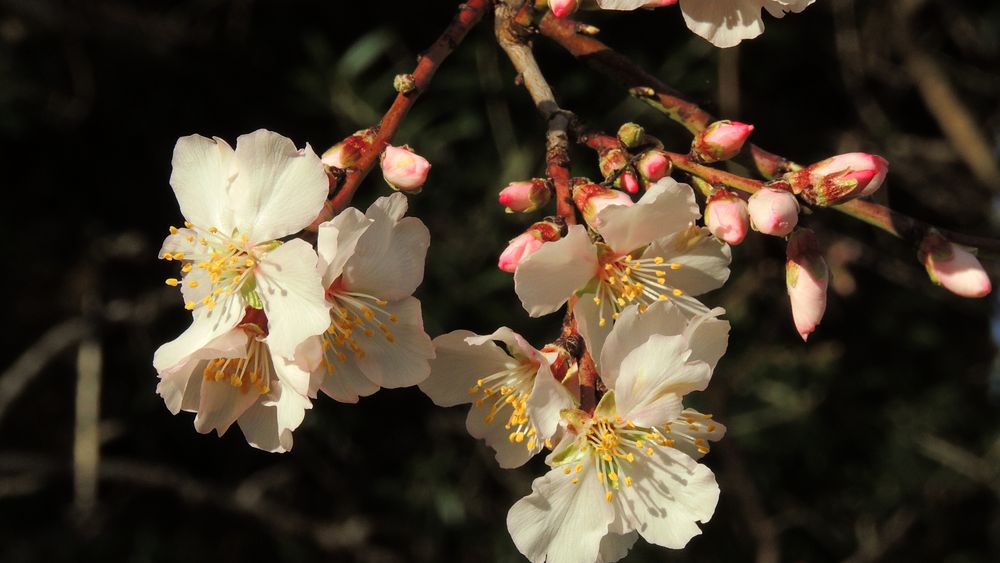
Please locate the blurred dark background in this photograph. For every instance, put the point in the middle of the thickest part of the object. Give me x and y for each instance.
(877, 441)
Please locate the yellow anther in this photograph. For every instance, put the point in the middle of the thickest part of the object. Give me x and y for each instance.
(629, 457)
(193, 283)
(519, 437)
(662, 298)
(711, 428)
(659, 260)
(189, 305)
(172, 282)
(250, 263)
(186, 268)
(188, 224)
(393, 319)
(661, 281)
(608, 496)
(659, 273)
(703, 450)
(602, 321)
(600, 476)
(578, 468)
(178, 255)
(567, 470)
(677, 293)
(649, 451)
(213, 230)
(168, 256)
(606, 457)
(597, 300)
(628, 481)
(575, 480)
(531, 444)
(613, 476)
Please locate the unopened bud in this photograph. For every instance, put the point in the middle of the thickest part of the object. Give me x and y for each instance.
(403, 169)
(953, 267)
(627, 182)
(346, 153)
(726, 215)
(404, 83)
(562, 8)
(611, 161)
(631, 135)
(807, 278)
(525, 244)
(525, 196)
(591, 198)
(653, 166)
(773, 212)
(839, 178)
(658, 4)
(721, 140)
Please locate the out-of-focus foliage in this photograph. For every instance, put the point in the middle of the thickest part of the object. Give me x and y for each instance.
(879, 440)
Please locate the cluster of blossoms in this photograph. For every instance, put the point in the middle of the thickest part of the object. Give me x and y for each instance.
(274, 321)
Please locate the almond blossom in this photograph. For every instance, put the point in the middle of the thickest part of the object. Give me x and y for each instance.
(631, 467)
(237, 204)
(371, 264)
(649, 252)
(515, 399)
(724, 23)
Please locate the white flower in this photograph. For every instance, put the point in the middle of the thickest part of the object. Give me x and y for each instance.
(237, 203)
(371, 264)
(651, 252)
(630, 468)
(722, 22)
(515, 399)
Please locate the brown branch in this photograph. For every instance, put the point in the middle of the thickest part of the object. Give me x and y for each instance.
(469, 14)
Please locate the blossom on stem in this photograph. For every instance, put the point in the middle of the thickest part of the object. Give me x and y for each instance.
(727, 216)
(237, 203)
(773, 212)
(807, 278)
(592, 198)
(371, 264)
(516, 401)
(525, 196)
(721, 140)
(525, 244)
(648, 252)
(953, 267)
(631, 467)
(403, 169)
(839, 178)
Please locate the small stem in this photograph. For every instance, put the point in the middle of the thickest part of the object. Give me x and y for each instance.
(511, 35)
(468, 15)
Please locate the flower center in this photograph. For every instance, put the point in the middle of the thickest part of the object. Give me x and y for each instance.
(252, 372)
(625, 280)
(507, 393)
(353, 316)
(228, 263)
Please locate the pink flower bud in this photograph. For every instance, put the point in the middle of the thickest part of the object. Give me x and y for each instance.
(726, 215)
(807, 277)
(403, 169)
(525, 244)
(591, 198)
(839, 178)
(627, 181)
(773, 212)
(658, 4)
(721, 140)
(526, 196)
(953, 267)
(653, 166)
(562, 8)
(519, 248)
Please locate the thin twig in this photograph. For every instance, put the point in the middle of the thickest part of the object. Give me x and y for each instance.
(469, 14)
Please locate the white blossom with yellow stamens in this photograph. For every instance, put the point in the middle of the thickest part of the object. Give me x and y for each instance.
(371, 264)
(236, 205)
(515, 399)
(651, 251)
(630, 469)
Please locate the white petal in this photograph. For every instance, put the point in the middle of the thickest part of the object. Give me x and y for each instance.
(202, 171)
(547, 278)
(588, 324)
(336, 242)
(509, 454)
(221, 404)
(708, 337)
(180, 385)
(704, 260)
(615, 546)
(388, 260)
(403, 362)
(723, 23)
(392, 206)
(458, 364)
(290, 288)
(268, 425)
(206, 327)
(667, 207)
(517, 346)
(654, 377)
(347, 384)
(621, 4)
(547, 399)
(778, 8)
(278, 189)
(670, 493)
(560, 522)
(632, 329)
